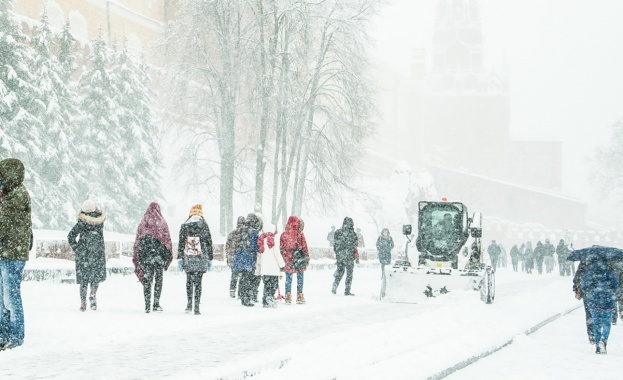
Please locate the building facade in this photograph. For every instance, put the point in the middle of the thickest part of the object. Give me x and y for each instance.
(139, 23)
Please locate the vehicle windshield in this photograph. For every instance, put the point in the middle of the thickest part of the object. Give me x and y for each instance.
(440, 229)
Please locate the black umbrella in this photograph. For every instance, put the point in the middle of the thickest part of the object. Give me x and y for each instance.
(596, 252)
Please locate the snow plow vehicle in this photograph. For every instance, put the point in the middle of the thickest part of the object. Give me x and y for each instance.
(450, 256)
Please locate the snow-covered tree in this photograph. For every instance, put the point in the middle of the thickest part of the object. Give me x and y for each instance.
(138, 133)
(207, 53)
(66, 58)
(99, 143)
(607, 165)
(55, 204)
(20, 104)
(333, 102)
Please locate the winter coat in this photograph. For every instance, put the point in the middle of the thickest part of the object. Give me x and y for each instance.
(230, 244)
(384, 245)
(562, 251)
(154, 225)
(288, 243)
(539, 252)
(245, 258)
(548, 249)
(345, 246)
(515, 254)
(153, 253)
(528, 258)
(576, 279)
(15, 212)
(269, 261)
(494, 251)
(599, 285)
(195, 226)
(86, 239)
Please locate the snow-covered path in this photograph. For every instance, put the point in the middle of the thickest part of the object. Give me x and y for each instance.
(329, 337)
(560, 350)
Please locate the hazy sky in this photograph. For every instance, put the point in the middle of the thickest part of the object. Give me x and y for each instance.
(565, 59)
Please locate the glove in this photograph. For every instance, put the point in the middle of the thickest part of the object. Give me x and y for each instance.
(282, 269)
(357, 261)
(578, 296)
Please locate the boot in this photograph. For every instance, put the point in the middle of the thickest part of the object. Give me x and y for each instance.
(269, 302)
(288, 299)
(189, 306)
(197, 308)
(147, 307)
(93, 302)
(232, 293)
(300, 299)
(246, 301)
(602, 347)
(157, 305)
(83, 305)
(334, 288)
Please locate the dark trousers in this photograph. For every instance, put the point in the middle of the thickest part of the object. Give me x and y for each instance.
(270, 287)
(256, 281)
(539, 265)
(150, 273)
(245, 292)
(494, 262)
(83, 289)
(193, 282)
(339, 273)
(589, 321)
(233, 282)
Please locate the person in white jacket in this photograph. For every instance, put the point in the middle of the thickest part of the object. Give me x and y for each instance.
(270, 264)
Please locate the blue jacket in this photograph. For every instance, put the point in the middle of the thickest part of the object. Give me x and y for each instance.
(599, 285)
(245, 260)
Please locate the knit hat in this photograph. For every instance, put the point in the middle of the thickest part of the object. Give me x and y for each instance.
(88, 206)
(196, 210)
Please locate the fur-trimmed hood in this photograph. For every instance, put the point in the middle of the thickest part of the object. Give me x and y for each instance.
(93, 218)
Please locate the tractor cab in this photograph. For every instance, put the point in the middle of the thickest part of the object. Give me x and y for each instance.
(443, 229)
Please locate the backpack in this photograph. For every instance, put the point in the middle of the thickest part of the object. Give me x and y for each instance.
(299, 257)
(193, 245)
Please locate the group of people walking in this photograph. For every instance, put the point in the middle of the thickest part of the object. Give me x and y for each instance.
(254, 255)
(152, 253)
(526, 258)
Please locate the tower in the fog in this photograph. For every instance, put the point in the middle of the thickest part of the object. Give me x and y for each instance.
(464, 108)
(460, 125)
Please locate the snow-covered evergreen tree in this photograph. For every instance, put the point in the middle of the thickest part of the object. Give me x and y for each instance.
(99, 139)
(138, 133)
(56, 204)
(20, 104)
(66, 43)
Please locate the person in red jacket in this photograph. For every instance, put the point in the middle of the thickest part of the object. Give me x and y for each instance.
(292, 239)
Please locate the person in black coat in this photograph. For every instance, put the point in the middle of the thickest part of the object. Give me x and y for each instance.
(152, 253)
(195, 249)
(579, 294)
(345, 247)
(539, 255)
(86, 239)
(515, 255)
(384, 246)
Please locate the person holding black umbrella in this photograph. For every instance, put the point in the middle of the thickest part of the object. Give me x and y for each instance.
(599, 285)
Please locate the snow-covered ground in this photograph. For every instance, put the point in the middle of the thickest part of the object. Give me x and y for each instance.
(331, 336)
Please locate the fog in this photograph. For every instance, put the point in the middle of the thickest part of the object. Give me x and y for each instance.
(563, 58)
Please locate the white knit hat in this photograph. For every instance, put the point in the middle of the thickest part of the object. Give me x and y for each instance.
(88, 206)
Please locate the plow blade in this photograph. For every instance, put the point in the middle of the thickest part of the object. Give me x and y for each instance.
(410, 285)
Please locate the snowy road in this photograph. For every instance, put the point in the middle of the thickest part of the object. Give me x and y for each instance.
(329, 337)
